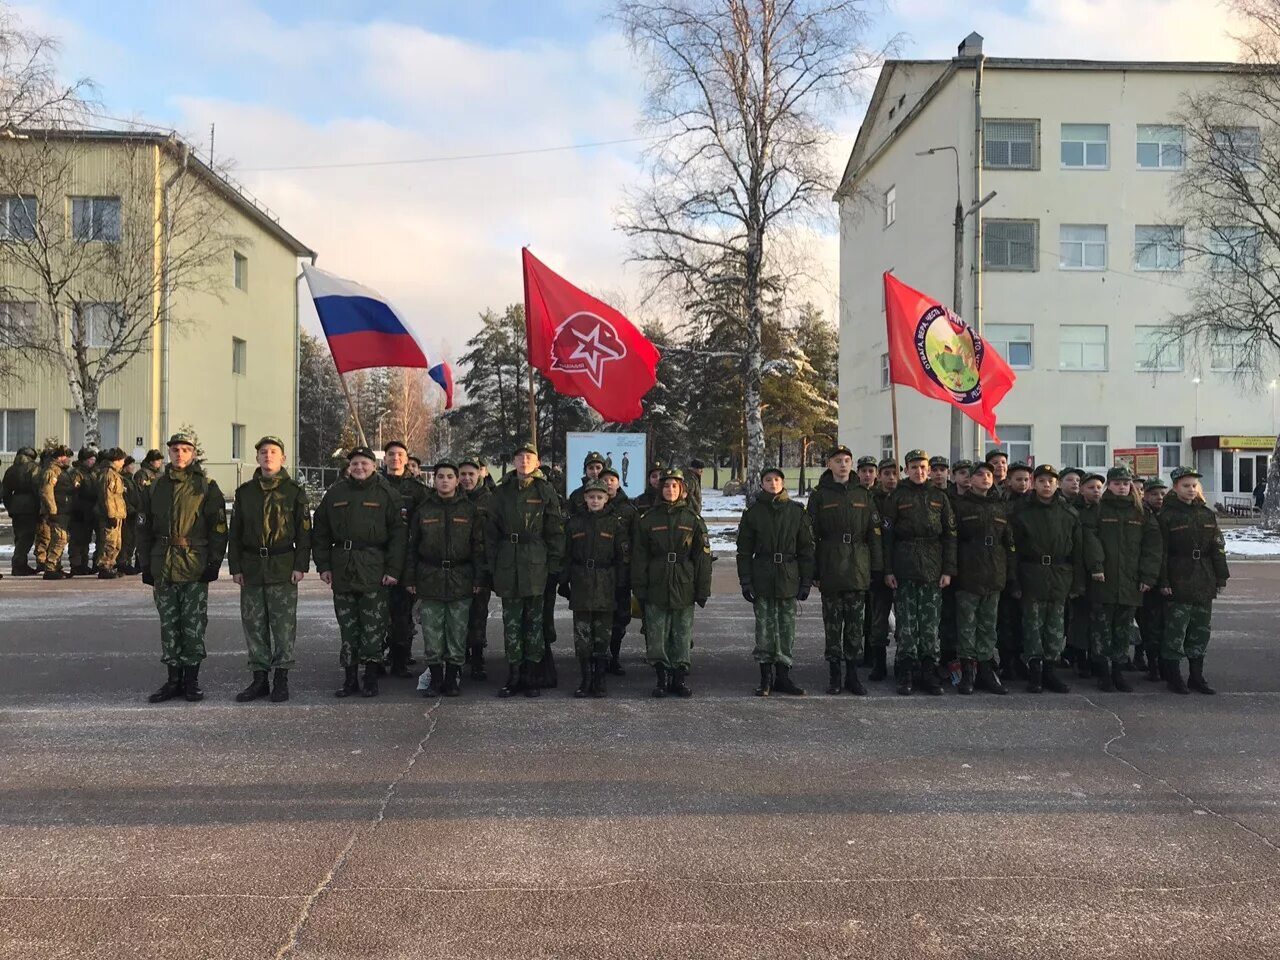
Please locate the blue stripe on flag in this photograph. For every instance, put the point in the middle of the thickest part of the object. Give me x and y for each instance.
(340, 315)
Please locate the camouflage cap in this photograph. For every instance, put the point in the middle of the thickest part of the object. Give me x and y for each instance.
(610, 472)
(992, 454)
(470, 460)
(362, 452)
(839, 450)
(673, 473)
(272, 439)
(660, 467)
(965, 465)
(1094, 476)
(888, 463)
(152, 456)
(914, 455)
(1119, 473)
(983, 466)
(1181, 472)
(768, 470)
(593, 457)
(696, 464)
(939, 462)
(1155, 483)
(868, 462)
(527, 447)
(181, 437)
(1044, 470)
(445, 464)
(595, 486)
(87, 452)
(1070, 470)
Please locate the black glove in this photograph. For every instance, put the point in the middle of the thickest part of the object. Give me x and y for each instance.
(702, 602)
(748, 594)
(563, 589)
(147, 578)
(804, 592)
(210, 574)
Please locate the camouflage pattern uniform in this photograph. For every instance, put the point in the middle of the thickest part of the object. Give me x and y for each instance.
(984, 566)
(879, 595)
(57, 491)
(21, 499)
(478, 618)
(597, 549)
(112, 511)
(1151, 613)
(627, 515)
(399, 642)
(83, 510)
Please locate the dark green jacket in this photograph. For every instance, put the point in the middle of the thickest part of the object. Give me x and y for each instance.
(524, 536)
(984, 545)
(84, 482)
(1122, 542)
(670, 557)
(183, 530)
(775, 547)
(647, 499)
(846, 532)
(410, 489)
(22, 487)
(693, 483)
(919, 533)
(358, 534)
(446, 548)
(481, 494)
(1194, 563)
(1049, 544)
(56, 491)
(597, 548)
(270, 516)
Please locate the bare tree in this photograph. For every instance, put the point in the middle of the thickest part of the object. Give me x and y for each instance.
(739, 92)
(31, 91)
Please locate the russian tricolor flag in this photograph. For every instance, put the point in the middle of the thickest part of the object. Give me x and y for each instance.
(362, 328)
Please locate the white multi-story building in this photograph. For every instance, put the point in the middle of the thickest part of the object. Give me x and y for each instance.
(1074, 271)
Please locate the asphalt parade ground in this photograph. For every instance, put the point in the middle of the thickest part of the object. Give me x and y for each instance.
(725, 826)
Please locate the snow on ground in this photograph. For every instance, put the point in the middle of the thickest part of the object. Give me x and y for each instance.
(1252, 542)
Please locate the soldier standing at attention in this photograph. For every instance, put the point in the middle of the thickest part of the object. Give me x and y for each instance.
(127, 565)
(42, 530)
(867, 476)
(395, 462)
(868, 473)
(524, 544)
(56, 493)
(1019, 481)
(1069, 484)
(1151, 613)
(592, 466)
(182, 537)
(1050, 568)
(984, 566)
(471, 484)
(847, 555)
(693, 477)
(21, 499)
(999, 461)
(940, 477)
(444, 569)
(112, 511)
(881, 596)
(621, 504)
(920, 560)
(269, 553)
(652, 491)
(961, 473)
(1194, 571)
(358, 541)
(80, 532)
(1079, 640)
(940, 472)
(596, 551)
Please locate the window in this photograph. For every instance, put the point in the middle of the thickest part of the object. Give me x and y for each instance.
(95, 218)
(886, 446)
(1085, 145)
(1082, 347)
(884, 371)
(1230, 350)
(17, 320)
(1011, 144)
(1157, 248)
(1082, 246)
(1160, 147)
(17, 429)
(1156, 349)
(1012, 341)
(1168, 439)
(1015, 441)
(239, 356)
(237, 441)
(17, 218)
(108, 429)
(1010, 244)
(240, 271)
(95, 324)
(1238, 148)
(1084, 447)
(1233, 249)
(890, 206)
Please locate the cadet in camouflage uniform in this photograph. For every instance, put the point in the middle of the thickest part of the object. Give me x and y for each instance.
(592, 466)
(1009, 637)
(111, 512)
(474, 484)
(182, 537)
(358, 540)
(653, 488)
(445, 568)
(693, 479)
(269, 553)
(880, 596)
(1050, 568)
(1077, 618)
(670, 572)
(868, 474)
(984, 567)
(940, 477)
(1151, 613)
(42, 529)
(57, 491)
(399, 643)
(524, 544)
(597, 546)
(22, 501)
(1069, 485)
(1193, 572)
(83, 501)
(627, 514)
(848, 556)
(999, 461)
(920, 560)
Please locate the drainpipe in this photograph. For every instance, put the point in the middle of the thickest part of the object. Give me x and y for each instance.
(297, 363)
(166, 219)
(976, 312)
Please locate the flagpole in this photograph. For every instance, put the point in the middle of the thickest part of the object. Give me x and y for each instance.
(528, 349)
(533, 406)
(352, 407)
(893, 402)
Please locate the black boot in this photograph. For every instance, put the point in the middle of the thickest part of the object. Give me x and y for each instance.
(902, 671)
(435, 686)
(547, 670)
(191, 691)
(56, 575)
(1172, 670)
(1118, 679)
(1051, 681)
(989, 680)
(968, 674)
(1084, 666)
(477, 664)
(766, 680)
(1139, 658)
(851, 681)
(584, 688)
(1035, 671)
(661, 672)
(170, 688)
(512, 686)
(1196, 681)
(881, 669)
(929, 682)
(105, 574)
(280, 686)
(1153, 665)
(369, 688)
(452, 677)
(258, 688)
(529, 677)
(350, 682)
(1102, 670)
(677, 687)
(599, 669)
(615, 663)
(783, 683)
(399, 665)
(834, 685)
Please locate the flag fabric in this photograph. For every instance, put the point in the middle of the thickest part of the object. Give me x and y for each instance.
(442, 374)
(935, 352)
(362, 328)
(585, 347)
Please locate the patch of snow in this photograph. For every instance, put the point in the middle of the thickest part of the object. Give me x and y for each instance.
(1252, 542)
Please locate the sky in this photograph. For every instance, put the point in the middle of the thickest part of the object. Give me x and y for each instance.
(294, 89)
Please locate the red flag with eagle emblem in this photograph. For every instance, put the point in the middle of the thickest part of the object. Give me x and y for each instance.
(585, 347)
(934, 351)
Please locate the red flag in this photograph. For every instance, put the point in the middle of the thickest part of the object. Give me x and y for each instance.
(585, 347)
(934, 351)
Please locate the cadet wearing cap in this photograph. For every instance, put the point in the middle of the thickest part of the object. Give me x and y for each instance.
(56, 493)
(269, 552)
(939, 472)
(182, 538)
(999, 461)
(400, 631)
(84, 497)
(984, 562)
(693, 484)
(475, 485)
(621, 504)
(868, 468)
(111, 511)
(592, 465)
(653, 487)
(1069, 483)
(879, 596)
(21, 500)
(1151, 613)
(596, 550)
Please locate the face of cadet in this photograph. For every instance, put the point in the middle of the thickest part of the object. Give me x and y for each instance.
(412, 468)
(1071, 484)
(938, 476)
(361, 468)
(918, 471)
(962, 480)
(593, 470)
(181, 455)
(672, 490)
(1046, 486)
(468, 477)
(1001, 466)
(889, 479)
(1119, 487)
(1091, 491)
(981, 481)
(1153, 498)
(841, 467)
(1187, 489)
(446, 481)
(270, 459)
(612, 483)
(867, 476)
(1020, 482)
(771, 483)
(394, 460)
(654, 477)
(596, 499)
(525, 463)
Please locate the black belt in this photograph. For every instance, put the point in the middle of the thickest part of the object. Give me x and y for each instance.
(358, 545)
(776, 557)
(1047, 560)
(522, 538)
(1193, 555)
(265, 552)
(673, 557)
(449, 564)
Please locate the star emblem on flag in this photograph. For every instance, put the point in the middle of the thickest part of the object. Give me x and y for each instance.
(584, 343)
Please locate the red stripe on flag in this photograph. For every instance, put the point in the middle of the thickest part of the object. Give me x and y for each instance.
(359, 351)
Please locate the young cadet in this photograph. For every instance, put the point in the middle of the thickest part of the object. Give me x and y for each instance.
(1122, 557)
(961, 473)
(472, 484)
(399, 641)
(627, 514)
(920, 560)
(592, 465)
(775, 569)
(848, 554)
(670, 572)
(940, 472)
(1151, 613)
(1193, 573)
(444, 571)
(984, 567)
(868, 471)
(1069, 484)
(653, 487)
(880, 595)
(999, 461)
(1079, 637)
(596, 551)
(1050, 568)
(1018, 483)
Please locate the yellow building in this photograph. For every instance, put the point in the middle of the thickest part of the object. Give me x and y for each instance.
(221, 339)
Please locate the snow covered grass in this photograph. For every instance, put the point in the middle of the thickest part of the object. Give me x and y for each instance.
(1252, 542)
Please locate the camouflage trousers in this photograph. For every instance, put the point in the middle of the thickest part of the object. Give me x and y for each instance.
(591, 633)
(269, 616)
(444, 629)
(41, 546)
(775, 630)
(109, 533)
(24, 535)
(80, 534)
(1186, 630)
(917, 606)
(1151, 622)
(668, 635)
(478, 619)
(879, 603)
(362, 626)
(1110, 630)
(129, 541)
(976, 625)
(843, 624)
(399, 639)
(1010, 639)
(184, 615)
(522, 634)
(1043, 631)
(57, 543)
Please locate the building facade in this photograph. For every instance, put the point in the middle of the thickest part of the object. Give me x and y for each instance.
(222, 357)
(1074, 266)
